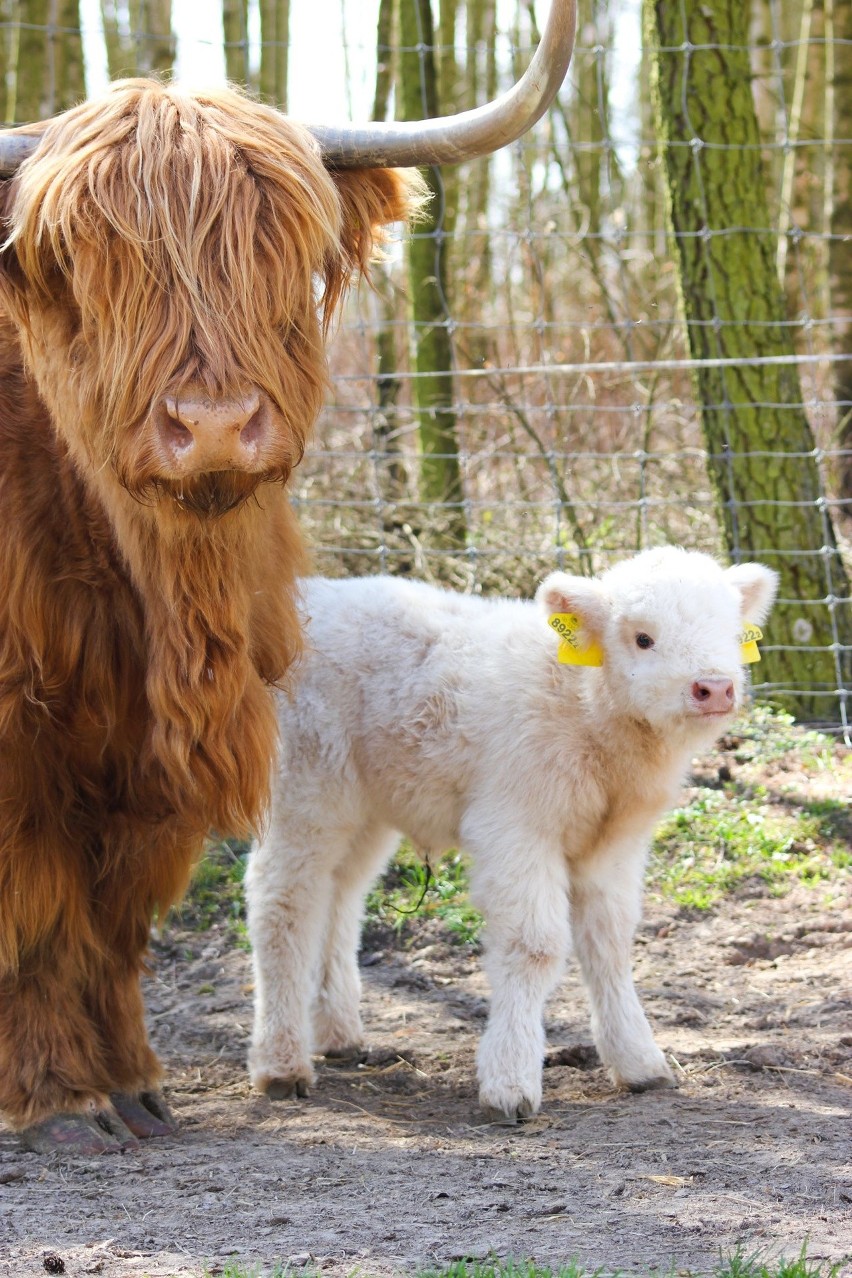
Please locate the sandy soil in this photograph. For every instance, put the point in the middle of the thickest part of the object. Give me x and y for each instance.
(388, 1166)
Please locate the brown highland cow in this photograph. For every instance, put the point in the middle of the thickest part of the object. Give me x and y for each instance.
(162, 366)
(168, 265)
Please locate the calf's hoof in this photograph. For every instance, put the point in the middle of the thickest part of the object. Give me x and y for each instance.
(508, 1104)
(294, 1085)
(146, 1115)
(658, 1083)
(103, 1132)
(353, 1055)
(509, 1117)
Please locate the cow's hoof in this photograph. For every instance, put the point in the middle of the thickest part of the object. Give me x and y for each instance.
(286, 1088)
(659, 1083)
(101, 1133)
(146, 1115)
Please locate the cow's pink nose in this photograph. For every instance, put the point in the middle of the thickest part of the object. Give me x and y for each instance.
(713, 696)
(199, 434)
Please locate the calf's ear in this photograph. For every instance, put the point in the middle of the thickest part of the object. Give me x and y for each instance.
(371, 200)
(580, 596)
(758, 586)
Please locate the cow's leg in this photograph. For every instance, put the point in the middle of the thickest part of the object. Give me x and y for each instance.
(134, 1071)
(288, 895)
(606, 895)
(338, 1031)
(54, 1076)
(521, 890)
(126, 903)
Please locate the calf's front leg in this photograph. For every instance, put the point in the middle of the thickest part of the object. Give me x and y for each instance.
(288, 896)
(606, 895)
(524, 898)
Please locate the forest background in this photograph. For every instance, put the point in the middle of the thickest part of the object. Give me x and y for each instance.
(632, 327)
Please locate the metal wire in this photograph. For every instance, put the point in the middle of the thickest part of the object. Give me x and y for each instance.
(579, 437)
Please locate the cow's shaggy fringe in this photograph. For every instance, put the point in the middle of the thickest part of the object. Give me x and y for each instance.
(156, 240)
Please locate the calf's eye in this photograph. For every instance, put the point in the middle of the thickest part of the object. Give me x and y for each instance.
(644, 641)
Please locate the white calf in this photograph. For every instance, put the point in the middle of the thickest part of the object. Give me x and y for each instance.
(452, 720)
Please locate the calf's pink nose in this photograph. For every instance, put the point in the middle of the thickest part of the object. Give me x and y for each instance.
(713, 696)
(200, 434)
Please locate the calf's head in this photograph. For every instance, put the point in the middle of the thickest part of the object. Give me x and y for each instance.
(668, 625)
(170, 262)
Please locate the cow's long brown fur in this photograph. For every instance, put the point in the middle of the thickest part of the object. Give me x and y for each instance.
(156, 240)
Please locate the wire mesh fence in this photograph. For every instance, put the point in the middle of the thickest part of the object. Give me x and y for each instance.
(620, 374)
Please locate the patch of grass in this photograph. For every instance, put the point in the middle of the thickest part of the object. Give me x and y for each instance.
(403, 892)
(769, 734)
(507, 1269)
(724, 838)
(739, 1265)
(216, 892)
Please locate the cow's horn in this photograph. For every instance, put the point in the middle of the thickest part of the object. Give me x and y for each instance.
(453, 138)
(446, 140)
(14, 149)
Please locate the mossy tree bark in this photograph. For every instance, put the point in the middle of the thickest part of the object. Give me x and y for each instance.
(151, 31)
(440, 472)
(48, 72)
(392, 476)
(840, 244)
(274, 50)
(481, 80)
(235, 34)
(759, 441)
(121, 57)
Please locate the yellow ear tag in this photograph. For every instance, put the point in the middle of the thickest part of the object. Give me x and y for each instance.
(749, 637)
(573, 651)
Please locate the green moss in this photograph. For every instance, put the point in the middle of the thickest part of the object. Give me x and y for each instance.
(216, 892)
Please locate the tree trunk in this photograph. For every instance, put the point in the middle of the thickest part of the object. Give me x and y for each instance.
(840, 245)
(120, 60)
(48, 75)
(440, 474)
(482, 87)
(151, 33)
(235, 33)
(9, 36)
(274, 49)
(392, 476)
(758, 438)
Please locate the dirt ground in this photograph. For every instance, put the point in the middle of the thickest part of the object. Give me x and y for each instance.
(388, 1166)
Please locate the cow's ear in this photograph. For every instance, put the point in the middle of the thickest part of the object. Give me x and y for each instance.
(371, 200)
(581, 597)
(757, 585)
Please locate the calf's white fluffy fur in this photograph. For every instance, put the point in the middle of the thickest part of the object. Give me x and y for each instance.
(449, 719)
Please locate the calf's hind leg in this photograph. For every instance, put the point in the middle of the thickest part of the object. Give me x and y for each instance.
(338, 1031)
